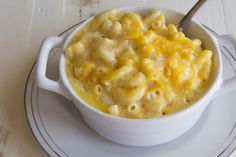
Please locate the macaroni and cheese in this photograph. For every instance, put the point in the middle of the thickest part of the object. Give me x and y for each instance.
(136, 66)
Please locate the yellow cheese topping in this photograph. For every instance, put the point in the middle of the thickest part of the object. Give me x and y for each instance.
(132, 66)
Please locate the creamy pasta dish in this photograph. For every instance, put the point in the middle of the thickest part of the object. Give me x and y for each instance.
(134, 66)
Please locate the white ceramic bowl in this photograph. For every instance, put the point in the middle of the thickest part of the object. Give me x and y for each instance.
(137, 132)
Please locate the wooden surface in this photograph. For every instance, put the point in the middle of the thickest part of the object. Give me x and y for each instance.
(24, 24)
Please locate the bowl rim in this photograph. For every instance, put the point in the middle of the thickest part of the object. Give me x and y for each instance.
(207, 95)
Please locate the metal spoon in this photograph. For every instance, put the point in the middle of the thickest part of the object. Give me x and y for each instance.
(185, 20)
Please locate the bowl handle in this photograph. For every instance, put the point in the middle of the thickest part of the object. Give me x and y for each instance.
(42, 81)
(228, 84)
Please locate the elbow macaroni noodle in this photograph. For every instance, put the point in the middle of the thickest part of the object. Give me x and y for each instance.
(136, 67)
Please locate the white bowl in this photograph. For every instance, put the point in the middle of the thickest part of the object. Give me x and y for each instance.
(137, 132)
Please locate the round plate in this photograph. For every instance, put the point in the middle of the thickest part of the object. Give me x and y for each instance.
(57, 126)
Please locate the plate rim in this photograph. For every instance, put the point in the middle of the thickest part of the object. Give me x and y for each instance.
(25, 100)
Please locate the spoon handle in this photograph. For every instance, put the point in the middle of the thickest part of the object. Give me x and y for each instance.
(184, 21)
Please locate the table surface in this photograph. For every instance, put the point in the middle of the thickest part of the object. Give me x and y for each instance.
(25, 23)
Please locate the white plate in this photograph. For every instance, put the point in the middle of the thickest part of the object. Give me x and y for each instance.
(57, 126)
